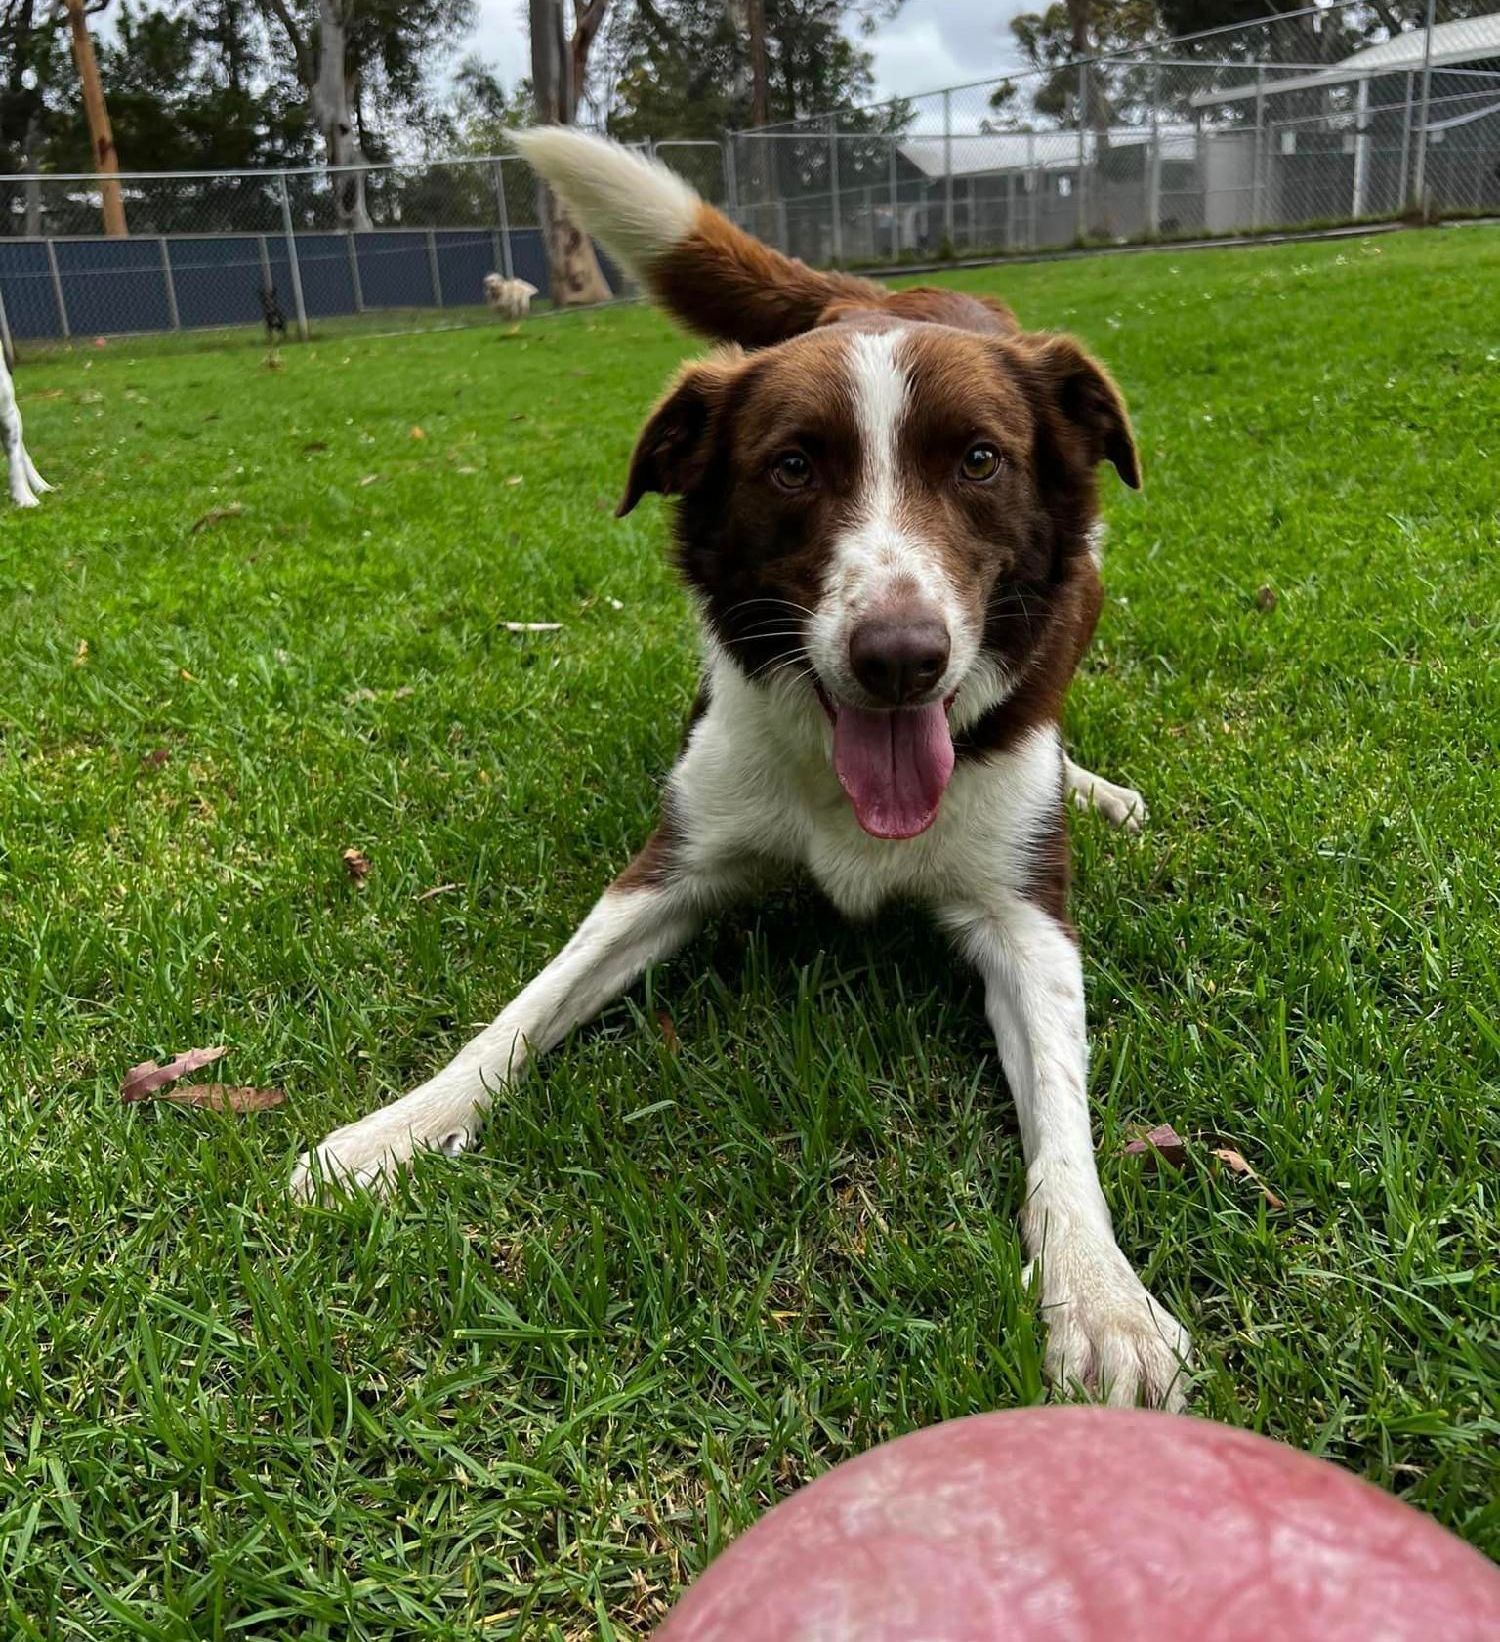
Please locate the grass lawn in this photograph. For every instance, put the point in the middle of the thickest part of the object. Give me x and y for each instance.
(762, 1216)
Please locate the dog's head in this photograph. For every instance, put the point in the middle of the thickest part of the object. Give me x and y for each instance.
(885, 514)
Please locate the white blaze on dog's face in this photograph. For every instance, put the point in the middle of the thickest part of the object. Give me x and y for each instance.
(884, 508)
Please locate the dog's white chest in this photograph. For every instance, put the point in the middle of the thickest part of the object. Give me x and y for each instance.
(758, 777)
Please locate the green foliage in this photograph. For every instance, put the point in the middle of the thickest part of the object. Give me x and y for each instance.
(681, 68)
(679, 1276)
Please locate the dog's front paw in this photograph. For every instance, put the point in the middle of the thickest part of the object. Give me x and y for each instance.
(1106, 1335)
(1122, 807)
(367, 1156)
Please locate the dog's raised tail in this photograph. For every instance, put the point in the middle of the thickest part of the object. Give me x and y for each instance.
(698, 265)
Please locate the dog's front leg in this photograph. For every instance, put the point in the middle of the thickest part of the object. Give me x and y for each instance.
(1104, 1331)
(645, 915)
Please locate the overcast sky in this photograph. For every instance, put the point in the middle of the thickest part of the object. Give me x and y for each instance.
(931, 43)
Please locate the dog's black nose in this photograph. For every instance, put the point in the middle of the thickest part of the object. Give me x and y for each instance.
(898, 658)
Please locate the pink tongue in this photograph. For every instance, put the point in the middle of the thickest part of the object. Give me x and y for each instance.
(894, 766)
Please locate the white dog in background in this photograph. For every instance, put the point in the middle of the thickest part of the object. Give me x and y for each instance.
(510, 298)
(25, 481)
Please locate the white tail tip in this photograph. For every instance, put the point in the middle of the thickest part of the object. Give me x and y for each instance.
(636, 206)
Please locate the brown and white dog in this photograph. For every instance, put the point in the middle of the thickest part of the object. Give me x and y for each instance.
(888, 518)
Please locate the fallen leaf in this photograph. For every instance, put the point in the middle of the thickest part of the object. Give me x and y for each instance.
(313, 445)
(1163, 1142)
(437, 889)
(517, 416)
(225, 1097)
(615, 604)
(149, 1076)
(1235, 1162)
(532, 626)
(466, 470)
(1265, 598)
(357, 865)
(81, 654)
(516, 479)
(155, 758)
(216, 515)
(47, 393)
(369, 479)
(668, 1032)
(186, 676)
(417, 433)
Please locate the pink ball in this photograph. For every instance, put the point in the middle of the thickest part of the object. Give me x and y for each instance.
(1094, 1525)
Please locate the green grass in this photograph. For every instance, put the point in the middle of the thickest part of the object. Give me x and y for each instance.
(688, 1269)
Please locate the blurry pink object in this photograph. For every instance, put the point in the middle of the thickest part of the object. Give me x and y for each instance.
(1091, 1525)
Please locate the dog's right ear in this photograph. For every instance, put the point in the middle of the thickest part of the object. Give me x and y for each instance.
(673, 449)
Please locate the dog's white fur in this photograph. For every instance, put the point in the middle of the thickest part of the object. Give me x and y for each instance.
(25, 482)
(510, 298)
(635, 206)
(754, 795)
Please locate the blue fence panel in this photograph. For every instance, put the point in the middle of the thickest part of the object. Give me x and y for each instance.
(394, 270)
(26, 289)
(465, 256)
(527, 256)
(112, 285)
(120, 285)
(218, 279)
(327, 281)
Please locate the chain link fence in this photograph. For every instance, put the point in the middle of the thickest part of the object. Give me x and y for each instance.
(1307, 118)
(1289, 122)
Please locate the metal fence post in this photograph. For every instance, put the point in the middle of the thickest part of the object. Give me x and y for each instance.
(895, 187)
(948, 168)
(1153, 176)
(1080, 210)
(1033, 196)
(354, 279)
(293, 266)
(169, 284)
(1258, 174)
(833, 179)
(57, 289)
(1402, 177)
(1419, 177)
(433, 269)
(1359, 203)
(497, 170)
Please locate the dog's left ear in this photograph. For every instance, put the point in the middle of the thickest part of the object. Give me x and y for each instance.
(1086, 395)
(673, 449)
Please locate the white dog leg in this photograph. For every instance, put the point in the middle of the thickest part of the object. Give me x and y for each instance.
(1120, 806)
(17, 463)
(1104, 1331)
(642, 918)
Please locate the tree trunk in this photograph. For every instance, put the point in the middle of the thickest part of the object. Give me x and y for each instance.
(573, 268)
(101, 137)
(760, 73)
(332, 108)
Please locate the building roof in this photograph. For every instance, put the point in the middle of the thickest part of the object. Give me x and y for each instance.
(990, 152)
(1468, 40)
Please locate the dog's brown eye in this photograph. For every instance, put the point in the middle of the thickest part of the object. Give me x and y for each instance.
(792, 470)
(980, 462)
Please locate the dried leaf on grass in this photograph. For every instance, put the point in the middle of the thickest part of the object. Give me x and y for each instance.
(145, 1079)
(215, 516)
(1235, 1162)
(532, 626)
(418, 433)
(81, 654)
(225, 1097)
(357, 865)
(668, 1032)
(1161, 1143)
(1265, 598)
(155, 758)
